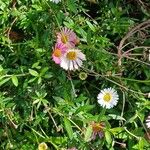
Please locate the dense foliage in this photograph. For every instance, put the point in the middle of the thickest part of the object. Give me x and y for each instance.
(42, 102)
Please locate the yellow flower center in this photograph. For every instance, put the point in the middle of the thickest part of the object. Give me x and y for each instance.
(57, 53)
(64, 38)
(71, 55)
(107, 97)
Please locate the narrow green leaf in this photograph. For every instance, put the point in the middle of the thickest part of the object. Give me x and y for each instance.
(141, 144)
(68, 128)
(1, 68)
(33, 72)
(90, 26)
(4, 81)
(39, 80)
(35, 65)
(88, 134)
(83, 34)
(38, 105)
(32, 80)
(72, 5)
(116, 117)
(43, 71)
(116, 130)
(36, 101)
(14, 80)
(85, 108)
(89, 36)
(108, 137)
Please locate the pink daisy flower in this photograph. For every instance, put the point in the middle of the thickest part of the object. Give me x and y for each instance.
(67, 37)
(58, 51)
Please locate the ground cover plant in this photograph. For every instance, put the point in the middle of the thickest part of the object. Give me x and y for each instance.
(74, 74)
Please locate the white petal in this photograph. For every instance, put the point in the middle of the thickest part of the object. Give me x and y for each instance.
(81, 56)
(148, 125)
(64, 63)
(55, 1)
(79, 62)
(71, 65)
(75, 65)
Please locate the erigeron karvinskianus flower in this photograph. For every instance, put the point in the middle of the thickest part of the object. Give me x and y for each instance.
(72, 59)
(67, 37)
(55, 1)
(108, 98)
(97, 129)
(42, 146)
(148, 122)
(58, 51)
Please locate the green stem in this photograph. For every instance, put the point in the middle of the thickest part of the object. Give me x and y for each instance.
(54, 15)
(131, 134)
(134, 80)
(55, 146)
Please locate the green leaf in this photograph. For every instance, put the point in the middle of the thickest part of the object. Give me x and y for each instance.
(36, 101)
(68, 128)
(141, 144)
(116, 130)
(58, 140)
(83, 34)
(90, 26)
(116, 117)
(38, 105)
(33, 72)
(85, 108)
(32, 80)
(39, 80)
(1, 68)
(4, 81)
(14, 80)
(88, 134)
(108, 137)
(72, 5)
(89, 36)
(36, 65)
(43, 71)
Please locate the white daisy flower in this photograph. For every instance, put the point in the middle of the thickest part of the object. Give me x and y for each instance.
(108, 98)
(55, 1)
(148, 122)
(72, 59)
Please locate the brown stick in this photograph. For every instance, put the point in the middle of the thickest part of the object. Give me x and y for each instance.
(137, 28)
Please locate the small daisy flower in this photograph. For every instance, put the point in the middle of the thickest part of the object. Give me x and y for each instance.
(148, 122)
(58, 51)
(67, 37)
(72, 59)
(108, 98)
(97, 129)
(42, 146)
(55, 1)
